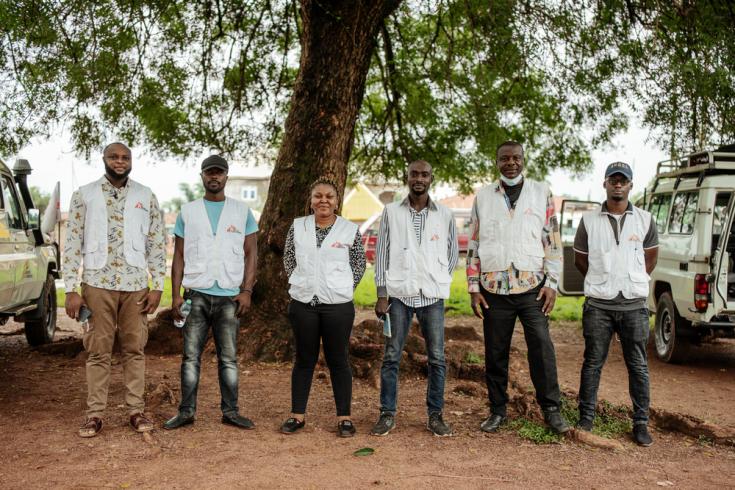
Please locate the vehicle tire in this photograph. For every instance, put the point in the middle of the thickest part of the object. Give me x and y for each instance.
(41, 326)
(669, 332)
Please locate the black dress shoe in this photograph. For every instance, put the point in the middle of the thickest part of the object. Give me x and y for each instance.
(178, 421)
(492, 423)
(292, 425)
(556, 422)
(345, 428)
(238, 421)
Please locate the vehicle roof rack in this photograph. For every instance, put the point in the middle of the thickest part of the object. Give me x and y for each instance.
(697, 165)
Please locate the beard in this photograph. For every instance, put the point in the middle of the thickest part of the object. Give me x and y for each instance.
(617, 198)
(420, 192)
(116, 176)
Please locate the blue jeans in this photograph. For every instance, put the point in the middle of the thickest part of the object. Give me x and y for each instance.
(219, 313)
(632, 327)
(431, 320)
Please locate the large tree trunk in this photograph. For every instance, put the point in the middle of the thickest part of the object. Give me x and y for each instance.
(337, 42)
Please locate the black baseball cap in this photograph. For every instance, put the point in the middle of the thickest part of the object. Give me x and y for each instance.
(215, 161)
(619, 168)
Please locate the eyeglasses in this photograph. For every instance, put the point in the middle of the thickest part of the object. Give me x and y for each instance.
(615, 180)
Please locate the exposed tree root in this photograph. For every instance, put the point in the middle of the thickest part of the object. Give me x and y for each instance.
(692, 426)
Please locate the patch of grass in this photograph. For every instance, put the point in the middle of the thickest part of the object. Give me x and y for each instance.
(568, 308)
(611, 422)
(534, 432)
(474, 358)
(705, 441)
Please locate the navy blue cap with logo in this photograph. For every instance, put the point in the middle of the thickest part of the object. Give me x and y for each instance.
(619, 168)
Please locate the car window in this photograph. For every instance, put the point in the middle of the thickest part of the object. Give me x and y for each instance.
(719, 218)
(683, 213)
(10, 201)
(659, 209)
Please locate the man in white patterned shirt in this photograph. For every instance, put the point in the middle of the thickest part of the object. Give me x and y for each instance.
(416, 253)
(115, 233)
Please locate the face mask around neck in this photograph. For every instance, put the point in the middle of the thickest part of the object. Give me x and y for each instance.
(511, 182)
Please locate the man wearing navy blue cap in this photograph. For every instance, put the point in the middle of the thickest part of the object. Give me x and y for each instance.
(616, 249)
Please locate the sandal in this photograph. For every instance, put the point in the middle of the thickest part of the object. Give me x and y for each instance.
(91, 427)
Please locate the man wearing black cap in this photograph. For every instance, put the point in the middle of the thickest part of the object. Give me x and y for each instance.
(215, 260)
(616, 249)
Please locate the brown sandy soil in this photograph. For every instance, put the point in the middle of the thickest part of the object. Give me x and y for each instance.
(42, 398)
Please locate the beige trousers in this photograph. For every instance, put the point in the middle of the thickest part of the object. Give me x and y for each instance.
(115, 314)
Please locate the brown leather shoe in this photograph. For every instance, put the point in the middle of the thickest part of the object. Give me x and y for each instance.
(91, 427)
(140, 423)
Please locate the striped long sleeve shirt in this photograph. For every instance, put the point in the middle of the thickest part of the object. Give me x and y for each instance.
(382, 255)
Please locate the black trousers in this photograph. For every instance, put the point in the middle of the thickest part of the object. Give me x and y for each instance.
(498, 326)
(332, 325)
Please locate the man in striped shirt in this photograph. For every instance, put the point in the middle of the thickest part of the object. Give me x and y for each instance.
(416, 253)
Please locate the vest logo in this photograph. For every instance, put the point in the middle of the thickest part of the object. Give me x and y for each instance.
(339, 244)
(634, 238)
(139, 205)
(232, 229)
(434, 237)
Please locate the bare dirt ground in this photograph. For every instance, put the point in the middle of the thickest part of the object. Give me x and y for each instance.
(42, 401)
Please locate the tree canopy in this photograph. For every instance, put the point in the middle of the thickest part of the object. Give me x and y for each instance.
(448, 79)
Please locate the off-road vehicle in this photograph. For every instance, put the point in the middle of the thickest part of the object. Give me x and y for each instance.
(29, 259)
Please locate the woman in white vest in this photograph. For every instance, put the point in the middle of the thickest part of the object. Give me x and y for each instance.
(325, 260)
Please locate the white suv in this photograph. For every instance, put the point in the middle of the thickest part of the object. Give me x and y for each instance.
(693, 285)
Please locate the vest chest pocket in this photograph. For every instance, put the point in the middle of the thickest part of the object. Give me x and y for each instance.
(303, 271)
(599, 262)
(339, 276)
(139, 244)
(441, 273)
(90, 246)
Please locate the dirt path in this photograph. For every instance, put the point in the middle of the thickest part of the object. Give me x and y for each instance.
(42, 397)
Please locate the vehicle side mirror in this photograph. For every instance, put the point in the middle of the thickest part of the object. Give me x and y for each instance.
(34, 219)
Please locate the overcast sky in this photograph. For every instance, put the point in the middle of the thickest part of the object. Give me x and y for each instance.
(53, 160)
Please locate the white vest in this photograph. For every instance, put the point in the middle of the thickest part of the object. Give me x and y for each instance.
(614, 268)
(324, 271)
(412, 268)
(504, 240)
(136, 224)
(219, 257)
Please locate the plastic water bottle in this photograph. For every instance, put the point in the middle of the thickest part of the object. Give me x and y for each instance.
(185, 310)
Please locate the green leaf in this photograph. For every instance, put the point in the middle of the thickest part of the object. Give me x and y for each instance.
(365, 451)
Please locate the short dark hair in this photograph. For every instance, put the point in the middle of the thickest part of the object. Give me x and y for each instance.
(508, 143)
(115, 143)
(422, 161)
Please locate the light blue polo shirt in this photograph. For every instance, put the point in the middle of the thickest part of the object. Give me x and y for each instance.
(214, 211)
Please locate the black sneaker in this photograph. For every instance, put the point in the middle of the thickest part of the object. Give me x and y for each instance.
(345, 428)
(585, 425)
(556, 422)
(292, 425)
(437, 426)
(641, 435)
(386, 422)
